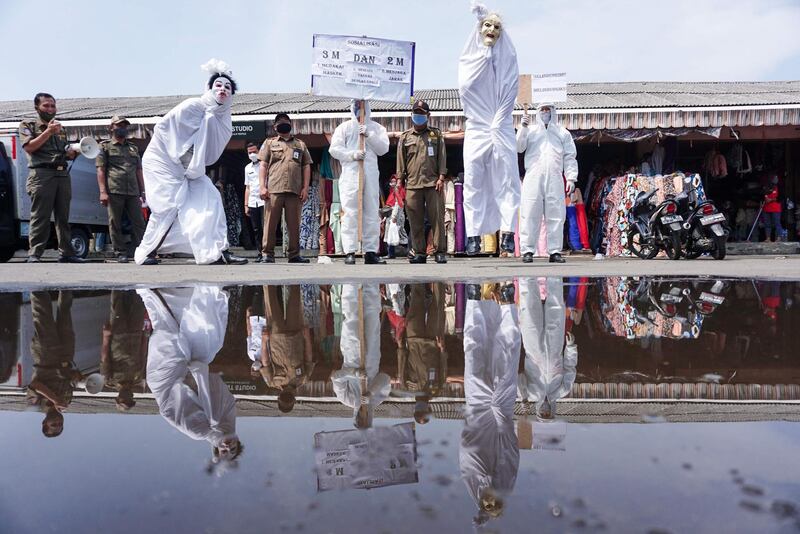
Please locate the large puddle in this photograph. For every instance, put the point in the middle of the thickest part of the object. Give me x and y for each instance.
(535, 404)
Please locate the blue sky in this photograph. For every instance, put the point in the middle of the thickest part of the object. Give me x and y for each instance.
(86, 48)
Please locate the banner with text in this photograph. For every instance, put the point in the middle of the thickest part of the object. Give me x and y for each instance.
(549, 88)
(363, 68)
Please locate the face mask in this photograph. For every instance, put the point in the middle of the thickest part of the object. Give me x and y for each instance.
(283, 128)
(545, 116)
(418, 119)
(253, 157)
(46, 117)
(491, 29)
(120, 132)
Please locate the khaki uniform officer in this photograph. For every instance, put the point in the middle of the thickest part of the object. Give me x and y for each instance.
(422, 165)
(121, 183)
(284, 176)
(49, 183)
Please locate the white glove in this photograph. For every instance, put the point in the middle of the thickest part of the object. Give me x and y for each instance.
(359, 155)
(570, 339)
(362, 130)
(526, 120)
(570, 188)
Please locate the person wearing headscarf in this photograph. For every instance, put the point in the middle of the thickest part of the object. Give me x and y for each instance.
(187, 211)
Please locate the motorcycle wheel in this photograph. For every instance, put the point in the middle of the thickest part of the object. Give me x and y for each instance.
(719, 249)
(672, 246)
(644, 251)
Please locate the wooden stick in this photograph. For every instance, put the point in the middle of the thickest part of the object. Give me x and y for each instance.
(361, 146)
(362, 341)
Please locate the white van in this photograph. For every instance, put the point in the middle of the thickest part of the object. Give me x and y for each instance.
(86, 214)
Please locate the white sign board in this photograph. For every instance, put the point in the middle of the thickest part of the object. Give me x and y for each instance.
(366, 459)
(549, 88)
(363, 68)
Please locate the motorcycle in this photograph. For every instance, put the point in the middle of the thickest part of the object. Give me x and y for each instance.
(706, 230)
(655, 227)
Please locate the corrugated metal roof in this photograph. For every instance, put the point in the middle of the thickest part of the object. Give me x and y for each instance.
(580, 96)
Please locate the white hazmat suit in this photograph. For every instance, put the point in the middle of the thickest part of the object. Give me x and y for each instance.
(549, 158)
(488, 77)
(344, 147)
(489, 453)
(187, 211)
(550, 366)
(188, 330)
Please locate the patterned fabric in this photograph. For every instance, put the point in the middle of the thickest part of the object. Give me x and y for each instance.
(310, 218)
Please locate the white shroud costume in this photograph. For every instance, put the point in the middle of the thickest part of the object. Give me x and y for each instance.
(188, 330)
(344, 146)
(489, 453)
(488, 77)
(187, 211)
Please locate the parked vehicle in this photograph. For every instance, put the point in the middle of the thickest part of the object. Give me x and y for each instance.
(706, 231)
(655, 227)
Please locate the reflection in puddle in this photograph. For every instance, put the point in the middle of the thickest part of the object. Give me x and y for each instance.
(491, 373)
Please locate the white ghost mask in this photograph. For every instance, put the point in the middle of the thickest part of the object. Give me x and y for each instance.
(491, 28)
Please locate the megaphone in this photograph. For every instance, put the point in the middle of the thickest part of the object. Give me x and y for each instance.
(87, 147)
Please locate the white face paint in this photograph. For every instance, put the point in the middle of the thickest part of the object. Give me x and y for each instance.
(222, 90)
(491, 28)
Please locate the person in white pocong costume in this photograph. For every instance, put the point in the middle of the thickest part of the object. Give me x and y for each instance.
(488, 77)
(489, 452)
(187, 212)
(550, 363)
(344, 147)
(347, 381)
(188, 330)
(549, 158)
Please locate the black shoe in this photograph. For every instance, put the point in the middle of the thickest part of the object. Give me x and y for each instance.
(507, 294)
(34, 259)
(371, 258)
(556, 258)
(70, 259)
(298, 259)
(150, 261)
(507, 242)
(229, 259)
(441, 258)
(268, 258)
(350, 259)
(473, 292)
(122, 258)
(473, 245)
(419, 258)
(259, 258)
(527, 257)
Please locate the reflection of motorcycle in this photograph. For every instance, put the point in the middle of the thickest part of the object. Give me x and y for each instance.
(655, 227)
(709, 299)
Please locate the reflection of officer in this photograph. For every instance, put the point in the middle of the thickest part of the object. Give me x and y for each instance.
(48, 180)
(121, 183)
(489, 454)
(123, 353)
(423, 361)
(53, 351)
(549, 365)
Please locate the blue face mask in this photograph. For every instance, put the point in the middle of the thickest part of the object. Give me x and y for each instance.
(418, 119)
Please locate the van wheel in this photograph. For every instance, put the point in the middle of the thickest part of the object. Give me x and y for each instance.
(80, 242)
(6, 253)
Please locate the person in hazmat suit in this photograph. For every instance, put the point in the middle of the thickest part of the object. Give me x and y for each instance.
(488, 77)
(549, 158)
(550, 362)
(359, 384)
(188, 330)
(489, 451)
(187, 212)
(345, 148)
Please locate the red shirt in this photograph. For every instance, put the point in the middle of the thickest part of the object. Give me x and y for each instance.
(771, 204)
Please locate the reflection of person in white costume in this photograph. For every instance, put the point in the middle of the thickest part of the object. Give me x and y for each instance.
(549, 158)
(345, 148)
(187, 212)
(488, 77)
(188, 330)
(549, 364)
(489, 453)
(349, 380)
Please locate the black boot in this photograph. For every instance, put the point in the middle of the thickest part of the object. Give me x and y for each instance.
(556, 258)
(350, 259)
(441, 258)
(527, 257)
(371, 258)
(229, 259)
(507, 242)
(473, 245)
(507, 293)
(419, 258)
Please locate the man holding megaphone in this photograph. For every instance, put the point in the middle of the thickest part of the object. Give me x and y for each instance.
(121, 183)
(49, 185)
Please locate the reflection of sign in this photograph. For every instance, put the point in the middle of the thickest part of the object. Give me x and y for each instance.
(550, 88)
(255, 131)
(366, 459)
(362, 68)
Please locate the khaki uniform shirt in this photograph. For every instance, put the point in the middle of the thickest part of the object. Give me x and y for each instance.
(421, 157)
(120, 161)
(285, 160)
(52, 154)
